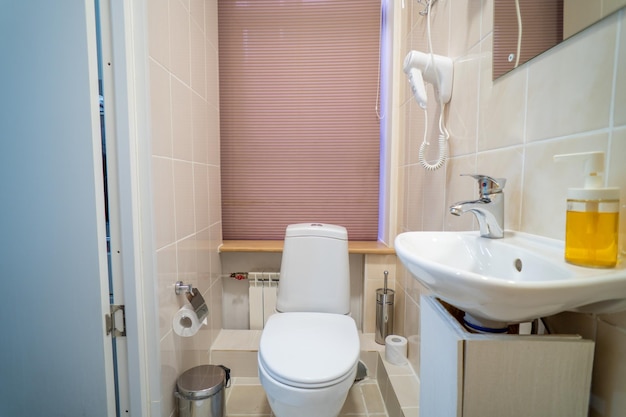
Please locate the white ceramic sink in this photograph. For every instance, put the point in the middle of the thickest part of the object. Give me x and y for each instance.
(518, 278)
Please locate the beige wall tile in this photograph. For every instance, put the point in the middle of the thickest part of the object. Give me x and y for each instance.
(486, 18)
(617, 177)
(373, 399)
(552, 97)
(212, 75)
(465, 26)
(566, 97)
(619, 112)
(198, 60)
(578, 14)
(611, 6)
(184, 199)
(248, 400)
(200, 128)
(241, 363)
(433, 203)
(609, 372)
(210, 18)
(399, 325)
(461, 188)
(161, 113)
(171, 368)
(201, 195)
(213, 135)
(406, 389)
(615, 319)
(167, 274)
(412, 331)
(543, 177)
(197, 12)
(414, 195)
(186, 260)
(187, 204)
(163, 201)
(179, 41)
(416, 117)
(203, 259)
(463, 107)
(501, 115)
(375, 265)
(182, 138)
(159, 31)
(215, 193)
(507, 163)
(573, 323)
(215, 309)
(215, 232)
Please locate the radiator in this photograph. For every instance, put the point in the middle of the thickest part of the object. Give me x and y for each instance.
(262, 296)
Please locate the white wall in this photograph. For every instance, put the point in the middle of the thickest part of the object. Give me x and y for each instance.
(570, 99)
(186, 173)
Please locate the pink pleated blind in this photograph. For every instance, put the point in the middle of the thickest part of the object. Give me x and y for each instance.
(300, 138)
(542, 28)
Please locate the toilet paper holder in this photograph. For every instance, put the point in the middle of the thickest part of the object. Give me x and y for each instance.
(194, 297)
(180, 288)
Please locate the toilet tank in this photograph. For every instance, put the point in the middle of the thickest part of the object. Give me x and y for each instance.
(315, 271)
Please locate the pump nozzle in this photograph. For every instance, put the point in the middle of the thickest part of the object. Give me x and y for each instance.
(594, 166)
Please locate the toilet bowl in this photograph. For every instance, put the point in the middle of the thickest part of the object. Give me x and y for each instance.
(309, 350)
(308, 362)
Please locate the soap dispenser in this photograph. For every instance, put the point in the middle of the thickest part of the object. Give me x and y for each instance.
(592, 219)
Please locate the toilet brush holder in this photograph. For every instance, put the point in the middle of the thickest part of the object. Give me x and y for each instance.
(384, 313)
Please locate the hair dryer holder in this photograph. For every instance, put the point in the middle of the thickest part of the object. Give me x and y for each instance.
(434, 69)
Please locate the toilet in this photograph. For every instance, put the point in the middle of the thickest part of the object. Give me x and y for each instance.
(309, 351)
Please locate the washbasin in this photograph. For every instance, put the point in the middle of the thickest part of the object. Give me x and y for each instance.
(515, 279)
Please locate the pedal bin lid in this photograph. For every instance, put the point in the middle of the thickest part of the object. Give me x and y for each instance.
(201, 382)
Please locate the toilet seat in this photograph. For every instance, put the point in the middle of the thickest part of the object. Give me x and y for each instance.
(309, 350)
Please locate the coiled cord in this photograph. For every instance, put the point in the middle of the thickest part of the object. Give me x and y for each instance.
(442, 141)
(443, 132)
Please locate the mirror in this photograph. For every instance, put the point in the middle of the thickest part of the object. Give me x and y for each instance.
(543, 24)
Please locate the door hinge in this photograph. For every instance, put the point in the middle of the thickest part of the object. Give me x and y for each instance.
(112, 322)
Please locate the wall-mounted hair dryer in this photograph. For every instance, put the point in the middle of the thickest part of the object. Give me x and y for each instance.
(434, 69)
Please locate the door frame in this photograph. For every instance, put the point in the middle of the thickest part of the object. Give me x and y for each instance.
(131, 111)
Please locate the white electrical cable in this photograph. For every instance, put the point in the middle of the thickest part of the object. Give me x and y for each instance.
(443, 132)
(380, 41)
(519, 33)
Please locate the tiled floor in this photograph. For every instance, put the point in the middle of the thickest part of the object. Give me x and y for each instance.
(246, 397)
(237, 349)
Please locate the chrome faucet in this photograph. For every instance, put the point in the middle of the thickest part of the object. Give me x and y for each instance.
(488, 209)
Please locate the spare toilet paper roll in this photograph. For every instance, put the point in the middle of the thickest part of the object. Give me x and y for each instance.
(185, 321)
(395, 349)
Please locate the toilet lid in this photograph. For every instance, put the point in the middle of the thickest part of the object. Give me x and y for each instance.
(304, 349)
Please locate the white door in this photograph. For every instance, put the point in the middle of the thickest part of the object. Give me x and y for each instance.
(55, 356)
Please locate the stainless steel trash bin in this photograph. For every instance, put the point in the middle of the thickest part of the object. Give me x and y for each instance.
(200, 391)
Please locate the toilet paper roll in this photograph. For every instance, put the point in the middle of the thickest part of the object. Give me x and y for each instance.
(395, 349)
(186, 322)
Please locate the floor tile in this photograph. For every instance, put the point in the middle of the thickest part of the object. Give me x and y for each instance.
(246, 397)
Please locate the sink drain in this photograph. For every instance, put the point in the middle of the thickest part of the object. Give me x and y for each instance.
(518, 265)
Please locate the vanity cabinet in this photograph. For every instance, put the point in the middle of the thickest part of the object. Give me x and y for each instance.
(473, 375)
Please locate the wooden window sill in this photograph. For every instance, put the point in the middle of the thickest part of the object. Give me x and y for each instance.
(362, 247)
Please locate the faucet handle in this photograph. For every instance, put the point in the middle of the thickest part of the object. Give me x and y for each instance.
(487, 185)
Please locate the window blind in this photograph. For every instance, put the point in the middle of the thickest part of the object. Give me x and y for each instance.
(542, 28)
(300, 138)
